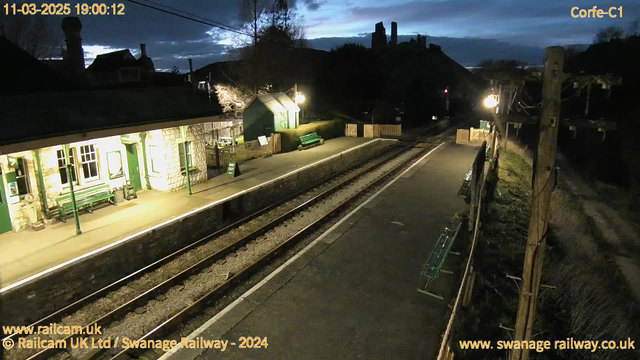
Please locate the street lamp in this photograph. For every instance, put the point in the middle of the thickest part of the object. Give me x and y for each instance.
(491, 101)
(298, 98)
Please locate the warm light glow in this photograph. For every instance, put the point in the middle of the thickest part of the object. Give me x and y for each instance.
(300, 98)
(491, 101)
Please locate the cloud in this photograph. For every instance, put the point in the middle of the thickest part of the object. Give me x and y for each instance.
(539, 23)
(517, 28)
(313, 5)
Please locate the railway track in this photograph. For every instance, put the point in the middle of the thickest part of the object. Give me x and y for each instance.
(262, 234)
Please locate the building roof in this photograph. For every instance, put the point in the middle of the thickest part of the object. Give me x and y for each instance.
(277, 102)
(113, 61)
(41, 116)
(22, 73)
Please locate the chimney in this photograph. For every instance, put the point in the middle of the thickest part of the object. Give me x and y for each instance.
(191, 80)
(74, 61)
(143, 50)
(394, 33)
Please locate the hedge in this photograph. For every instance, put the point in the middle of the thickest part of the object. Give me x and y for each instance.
(328, 129)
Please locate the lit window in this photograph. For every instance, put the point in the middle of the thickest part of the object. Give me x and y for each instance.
(89, 161)
(22, 177)
(62, 167)
(189, 154)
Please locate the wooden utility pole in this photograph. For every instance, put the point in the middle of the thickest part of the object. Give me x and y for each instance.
(543, 168)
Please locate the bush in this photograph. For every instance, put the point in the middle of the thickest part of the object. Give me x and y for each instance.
(328, 129)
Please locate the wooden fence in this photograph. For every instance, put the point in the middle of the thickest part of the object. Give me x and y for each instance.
(351, 130)
(390, 130)
(378, 130)
(462, 136)
(478, 202)
(479, 135)
(220, 157)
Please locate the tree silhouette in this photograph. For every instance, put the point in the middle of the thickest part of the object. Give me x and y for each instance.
(608, 34)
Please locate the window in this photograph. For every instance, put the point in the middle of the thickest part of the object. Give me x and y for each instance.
(22, 176)
(114, 164)
(62, 167)
(89, 161)
(154, 158)
(189, 154)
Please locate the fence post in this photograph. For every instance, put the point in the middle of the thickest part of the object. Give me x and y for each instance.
(468, 293)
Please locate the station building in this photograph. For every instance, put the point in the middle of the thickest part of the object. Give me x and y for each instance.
(131, 138)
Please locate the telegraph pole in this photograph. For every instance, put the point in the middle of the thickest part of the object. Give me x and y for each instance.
(543, 168)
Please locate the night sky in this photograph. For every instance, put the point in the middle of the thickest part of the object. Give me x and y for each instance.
(467, 30)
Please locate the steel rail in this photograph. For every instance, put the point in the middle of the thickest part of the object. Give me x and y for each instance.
(215, 294)
(143, 298)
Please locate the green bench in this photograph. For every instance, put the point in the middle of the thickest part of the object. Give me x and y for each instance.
(430, 271)
(310, 140)
(85, 198)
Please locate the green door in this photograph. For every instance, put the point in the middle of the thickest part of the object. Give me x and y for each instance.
(134, 168)
(5, 219)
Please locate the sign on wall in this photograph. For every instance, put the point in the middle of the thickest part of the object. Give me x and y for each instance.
(263, 140)
(114, 163)
(13, 189)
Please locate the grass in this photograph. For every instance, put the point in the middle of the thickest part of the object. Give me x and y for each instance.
(624, 200)
(499, 253)
(590, 301)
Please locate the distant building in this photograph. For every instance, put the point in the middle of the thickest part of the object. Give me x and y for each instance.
(121, 67)
(269, 113)
(394, 34)
(379, 38)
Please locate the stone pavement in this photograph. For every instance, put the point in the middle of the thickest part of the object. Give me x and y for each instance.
(26, 253)
(351, 294)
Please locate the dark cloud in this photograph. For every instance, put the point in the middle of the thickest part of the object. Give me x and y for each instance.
(313, 5)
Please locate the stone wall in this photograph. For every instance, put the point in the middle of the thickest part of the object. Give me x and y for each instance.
(175, 177)
(168, 178)
(51, 173)
(33, 300)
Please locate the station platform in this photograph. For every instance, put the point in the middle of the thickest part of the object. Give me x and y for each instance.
(27, 254)
(352, 293)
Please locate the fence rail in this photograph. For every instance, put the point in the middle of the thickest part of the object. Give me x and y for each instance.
(220, 157)
(375, 130)
(478, 184)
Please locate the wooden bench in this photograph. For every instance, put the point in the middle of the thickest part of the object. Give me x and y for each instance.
(310, 140)
(85, 198)
(430, 271)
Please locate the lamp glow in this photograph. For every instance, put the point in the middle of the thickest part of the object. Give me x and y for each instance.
(300, 98)
(491, 101)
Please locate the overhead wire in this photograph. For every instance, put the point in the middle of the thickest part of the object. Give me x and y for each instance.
(199, 19)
